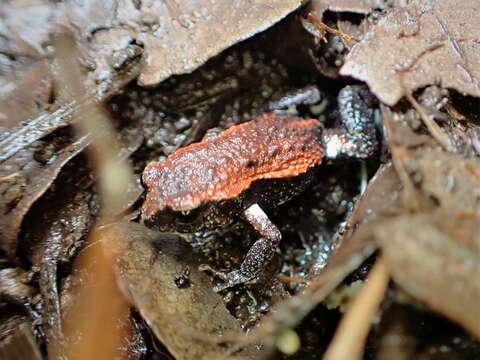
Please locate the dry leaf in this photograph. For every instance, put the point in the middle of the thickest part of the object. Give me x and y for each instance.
(429, 40)
(436, 259)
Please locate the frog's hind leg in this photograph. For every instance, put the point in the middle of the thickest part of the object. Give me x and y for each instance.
(357, 136)
(260, 221)
(256, 259)
(259, 254)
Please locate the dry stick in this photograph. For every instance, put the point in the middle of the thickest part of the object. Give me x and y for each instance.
(9, 177)
(435, 130)
(325, 28)
(99, 305)
(284, 279)
(350, 337)
(455, 114)
(431, 125)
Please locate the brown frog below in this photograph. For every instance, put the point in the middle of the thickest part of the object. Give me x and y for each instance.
(257, 164)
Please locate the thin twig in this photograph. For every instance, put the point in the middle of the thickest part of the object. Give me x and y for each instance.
(408, 66)
(284, 279)
(455, 114)
(325, 28)
(435, 130)
(9, 177)
(349, 340)
(99, 305)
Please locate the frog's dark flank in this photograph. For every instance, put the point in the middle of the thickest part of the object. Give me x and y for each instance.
(254, 165)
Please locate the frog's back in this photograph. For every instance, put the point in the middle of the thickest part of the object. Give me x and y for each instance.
(268, 147)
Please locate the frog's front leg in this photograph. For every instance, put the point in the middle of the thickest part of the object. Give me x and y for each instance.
(357, 136)
(259, 254)
(260, 221)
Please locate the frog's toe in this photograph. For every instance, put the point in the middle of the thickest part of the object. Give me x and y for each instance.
(232, 279)
(229, 279)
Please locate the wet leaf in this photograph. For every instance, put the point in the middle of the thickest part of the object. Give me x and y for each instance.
(353, 32)
(61, 116)
(54, 230)
(31, 130)
(428, 41)
(26, 176)
(24, 180)
(185, 318)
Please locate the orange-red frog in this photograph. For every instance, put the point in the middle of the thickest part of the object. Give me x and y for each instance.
(250, 166)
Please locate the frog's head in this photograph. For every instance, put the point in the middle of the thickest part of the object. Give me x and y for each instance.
(168, 205)
(174, 202)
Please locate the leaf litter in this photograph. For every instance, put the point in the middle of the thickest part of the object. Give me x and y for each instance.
(416, 219)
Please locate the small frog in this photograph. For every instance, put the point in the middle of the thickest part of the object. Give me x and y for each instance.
(251, 166)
